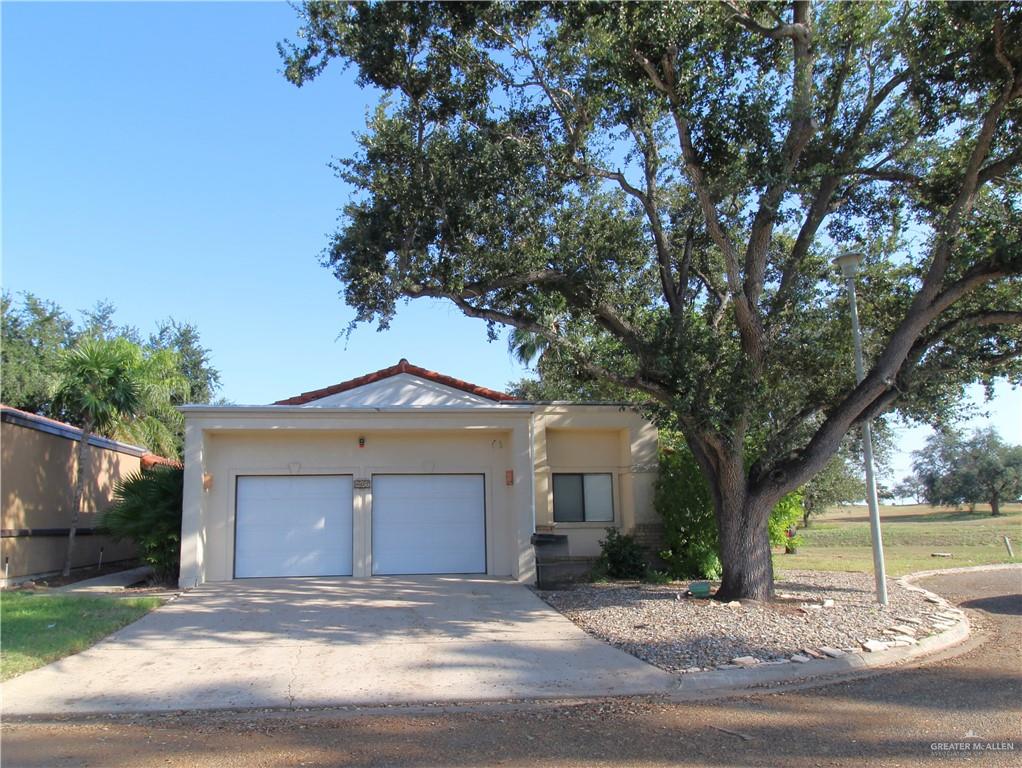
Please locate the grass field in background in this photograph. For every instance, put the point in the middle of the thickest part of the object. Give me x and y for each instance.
(840, 541)
(38, 629)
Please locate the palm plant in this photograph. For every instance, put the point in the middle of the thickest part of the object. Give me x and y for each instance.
(104, 383)
(147, 510)
(157, 425)
(525, 346)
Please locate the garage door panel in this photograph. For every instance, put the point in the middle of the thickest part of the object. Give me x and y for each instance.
(428, 524)
(293, 526)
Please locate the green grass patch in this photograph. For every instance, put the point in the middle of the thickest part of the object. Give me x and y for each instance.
(840, 540)
(38, 629)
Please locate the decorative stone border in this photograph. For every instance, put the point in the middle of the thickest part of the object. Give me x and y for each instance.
(949, 619)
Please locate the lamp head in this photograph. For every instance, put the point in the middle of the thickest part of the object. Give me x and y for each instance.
(849, 263)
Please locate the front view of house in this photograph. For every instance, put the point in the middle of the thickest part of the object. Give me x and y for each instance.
(406, 471)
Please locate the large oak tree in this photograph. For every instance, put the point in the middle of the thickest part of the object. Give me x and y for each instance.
(656, 191)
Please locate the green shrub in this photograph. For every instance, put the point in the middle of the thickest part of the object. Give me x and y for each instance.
(682, 498)
(147, 510)
(785, 515)
(657, 577)
(621, 557)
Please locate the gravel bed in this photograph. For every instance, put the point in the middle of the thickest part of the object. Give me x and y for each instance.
(814, 610)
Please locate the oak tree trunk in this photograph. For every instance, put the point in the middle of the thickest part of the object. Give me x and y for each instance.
(79, 496)
(995, 504)
(747, 566)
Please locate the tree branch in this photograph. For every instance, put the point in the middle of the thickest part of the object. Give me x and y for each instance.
(999, 168)
(801, 128)
(780, 32)
(477, 289)
(829, 184)
(585, 362)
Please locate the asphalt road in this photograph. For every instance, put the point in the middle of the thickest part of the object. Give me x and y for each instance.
(919, 715)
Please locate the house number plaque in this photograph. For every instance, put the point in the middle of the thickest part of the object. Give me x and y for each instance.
(362, 483)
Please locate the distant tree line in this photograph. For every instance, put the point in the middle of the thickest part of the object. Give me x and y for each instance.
(955, 470)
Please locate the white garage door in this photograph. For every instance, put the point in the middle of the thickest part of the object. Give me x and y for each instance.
(293, 526)
(428, 524)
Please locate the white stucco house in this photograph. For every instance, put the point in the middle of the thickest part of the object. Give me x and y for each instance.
(406, 471)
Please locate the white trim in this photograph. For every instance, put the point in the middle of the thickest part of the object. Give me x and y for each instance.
(319, 411)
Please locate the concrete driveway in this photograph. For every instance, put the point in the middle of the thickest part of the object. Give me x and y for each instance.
(331, 642)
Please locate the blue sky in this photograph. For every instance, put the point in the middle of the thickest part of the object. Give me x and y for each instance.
(153, 156)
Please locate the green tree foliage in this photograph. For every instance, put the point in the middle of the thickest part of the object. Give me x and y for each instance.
(36, 333)
(784, 518)
(147, 510)
(157, 424)
(33, 335)
(909, 487)
(954, 470)
(683, 500)
(656, 190)
(194, 360)
(97, 383)
(841, 481)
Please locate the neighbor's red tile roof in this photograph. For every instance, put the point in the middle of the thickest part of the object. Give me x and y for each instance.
(150, 460)
(385, 373)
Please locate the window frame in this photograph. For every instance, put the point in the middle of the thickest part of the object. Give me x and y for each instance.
(584, 521)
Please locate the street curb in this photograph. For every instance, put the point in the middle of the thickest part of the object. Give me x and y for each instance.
(960, 569)
(701, 684)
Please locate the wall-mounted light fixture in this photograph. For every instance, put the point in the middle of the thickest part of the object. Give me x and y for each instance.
(509, 477)
(207, 481)
(361, 441)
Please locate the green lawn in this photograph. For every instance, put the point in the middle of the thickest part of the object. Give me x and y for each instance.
(38, 629)
(840, 540)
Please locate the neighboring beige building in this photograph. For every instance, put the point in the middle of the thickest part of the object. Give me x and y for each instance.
(38, 458)
(406, 471)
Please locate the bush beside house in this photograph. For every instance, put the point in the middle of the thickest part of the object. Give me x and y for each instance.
(147, 510)
(682, 498)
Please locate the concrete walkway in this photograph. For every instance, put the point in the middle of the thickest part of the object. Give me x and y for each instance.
(110, 582)
(889, 720)
(331, 642)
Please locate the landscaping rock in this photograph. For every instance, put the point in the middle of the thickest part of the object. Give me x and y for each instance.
(799, 658)
(828, 603)
(834, 653)
(745, 661)
(908, 639)
(873, 646)
(646, 621)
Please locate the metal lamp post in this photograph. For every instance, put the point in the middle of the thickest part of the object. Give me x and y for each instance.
(849, 264)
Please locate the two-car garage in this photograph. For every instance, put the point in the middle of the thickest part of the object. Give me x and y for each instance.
(302, 525)
(404, 471)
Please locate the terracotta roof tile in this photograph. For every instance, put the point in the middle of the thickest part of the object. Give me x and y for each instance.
(150, 460)
(385, 373)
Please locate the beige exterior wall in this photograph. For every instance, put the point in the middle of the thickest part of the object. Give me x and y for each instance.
(530, 442)
(37, 471)
(231, 455)
(220, 447)
(577, 438)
